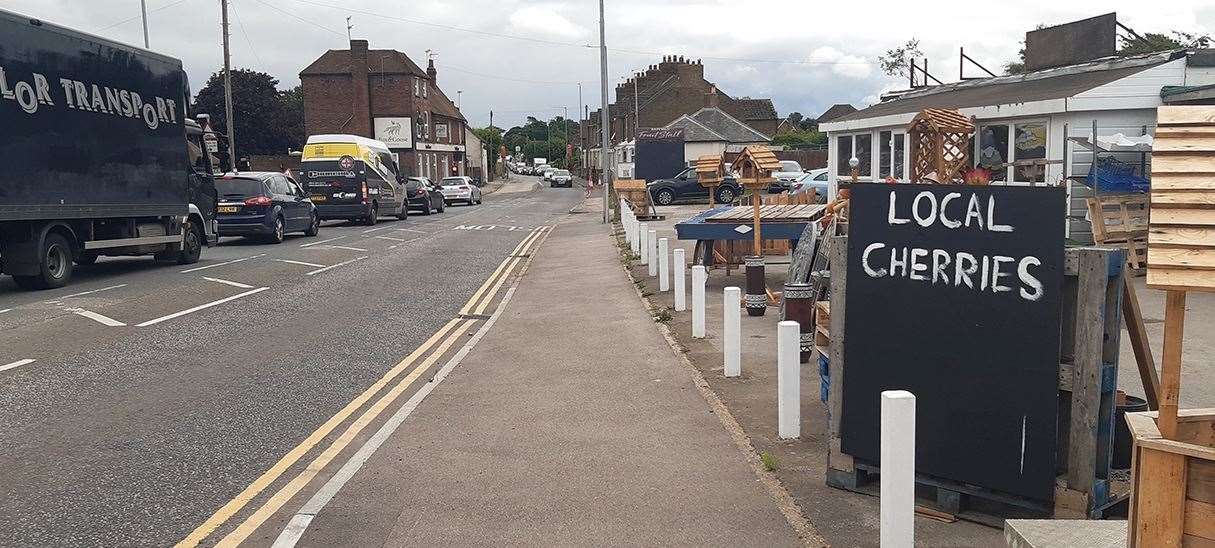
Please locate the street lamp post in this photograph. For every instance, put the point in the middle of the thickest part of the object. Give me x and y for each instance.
(143, 10)
(603, 114)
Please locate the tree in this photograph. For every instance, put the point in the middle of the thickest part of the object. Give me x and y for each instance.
(267, 121)
(491, 139)
(800, 138)
(896, 61)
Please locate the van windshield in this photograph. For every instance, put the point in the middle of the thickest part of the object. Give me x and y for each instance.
(238, 187)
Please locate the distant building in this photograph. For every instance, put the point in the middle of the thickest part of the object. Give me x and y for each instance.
(836, 110)
(384, 95)
(712, 130)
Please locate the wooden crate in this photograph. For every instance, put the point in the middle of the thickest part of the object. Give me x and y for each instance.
(1181, 235)
(636, 193)
(1121, 220)
(1173, 480)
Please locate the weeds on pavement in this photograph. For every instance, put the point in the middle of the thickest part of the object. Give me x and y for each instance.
(768, 460)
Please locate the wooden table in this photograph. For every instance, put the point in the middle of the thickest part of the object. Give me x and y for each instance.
(777, 222)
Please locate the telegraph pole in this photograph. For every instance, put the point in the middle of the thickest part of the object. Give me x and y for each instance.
(143, 9)
(228, 89)
(603, 114)
(636, 110)
(581, 128)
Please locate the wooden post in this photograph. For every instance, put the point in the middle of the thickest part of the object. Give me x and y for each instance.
(755, 213)
(1170, 364)
(1133, 318)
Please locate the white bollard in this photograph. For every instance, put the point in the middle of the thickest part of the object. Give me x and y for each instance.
(699, 277)
(681, 268)
(788, 380)
(898, 469)
(635, 241)
(651, 251)
(643, 232)
(664, 264)
(731, 330)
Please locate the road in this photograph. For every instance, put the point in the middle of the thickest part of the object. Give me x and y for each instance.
(141, 400)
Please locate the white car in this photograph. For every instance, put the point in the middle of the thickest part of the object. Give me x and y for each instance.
(814, 180)
(460, 189)
(546, 173)
(561, 177)
(789, 171)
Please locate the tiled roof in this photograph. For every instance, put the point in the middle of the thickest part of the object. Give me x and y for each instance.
(836, 110)
(441, 105)
(713, 124)
(337, 61)
(751, 109)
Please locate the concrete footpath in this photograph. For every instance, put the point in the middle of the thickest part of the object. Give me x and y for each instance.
(571, 423)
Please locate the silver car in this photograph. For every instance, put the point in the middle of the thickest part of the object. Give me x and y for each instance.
(561, 177)
(813, 181)
(460, 189)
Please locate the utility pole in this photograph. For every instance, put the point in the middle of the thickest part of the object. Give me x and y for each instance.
(581, 128)
(143, 9)
(603, 115)
(228, 89)
(565, 121)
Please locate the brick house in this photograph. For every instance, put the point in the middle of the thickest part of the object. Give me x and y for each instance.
(384, 95)
(671, 89)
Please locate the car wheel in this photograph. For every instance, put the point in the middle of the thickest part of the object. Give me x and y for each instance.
(55, 265)
(314, 227)
(442, 206)
(374, 217)
(276, 237)
(191, 245)
(725, 195)
(664, 197)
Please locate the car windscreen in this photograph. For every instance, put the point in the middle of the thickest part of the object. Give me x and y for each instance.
(239, 188)
(562, 173)
(452, 181)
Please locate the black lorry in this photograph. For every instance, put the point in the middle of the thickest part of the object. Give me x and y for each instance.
(97, 156)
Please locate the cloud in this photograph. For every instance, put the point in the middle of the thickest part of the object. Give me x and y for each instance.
(545, 21)
(849, 66)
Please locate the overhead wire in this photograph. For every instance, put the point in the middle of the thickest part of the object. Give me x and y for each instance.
(129, 19)
(246, 33)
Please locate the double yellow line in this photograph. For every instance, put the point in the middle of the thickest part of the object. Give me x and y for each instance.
(440, 342)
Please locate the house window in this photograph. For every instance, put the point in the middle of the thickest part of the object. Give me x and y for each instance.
(417, 87)
(843, 153)
(425, 86)
(864, 153)
(1009, 151)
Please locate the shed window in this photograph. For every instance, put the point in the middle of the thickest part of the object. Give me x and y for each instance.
(993, 150)
(843, 152)
(1009, 151)
(864, 153)
(890, 154)
(1030, 144)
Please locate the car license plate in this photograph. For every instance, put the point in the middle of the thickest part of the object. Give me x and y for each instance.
(319, 198)
(229, 209)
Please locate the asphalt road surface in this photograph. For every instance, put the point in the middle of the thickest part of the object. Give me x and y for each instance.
(148, 403)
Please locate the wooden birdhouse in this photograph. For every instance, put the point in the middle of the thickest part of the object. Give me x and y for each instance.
(940, 145)
(754, 167)
(710, 171)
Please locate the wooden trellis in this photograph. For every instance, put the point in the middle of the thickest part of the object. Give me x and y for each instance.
(940, 145)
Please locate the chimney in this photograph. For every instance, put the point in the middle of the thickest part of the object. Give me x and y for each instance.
(431, 72)
(358, 49)
(711, 97)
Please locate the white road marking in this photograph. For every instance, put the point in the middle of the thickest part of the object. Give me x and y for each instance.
(375, 229)
(103, 320)
(321, 242)
(17, 364)
(331, 267)
(412, 230)
(233, 261)
(201, 307)
(5, 310)
(391, 238)
(228, 282)
(300, 521)
(301, 263)
(82, 293)
(346, 247)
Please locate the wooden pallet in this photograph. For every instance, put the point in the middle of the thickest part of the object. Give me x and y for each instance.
(1121, 220)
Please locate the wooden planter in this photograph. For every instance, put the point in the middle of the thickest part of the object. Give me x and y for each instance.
(1173, 481)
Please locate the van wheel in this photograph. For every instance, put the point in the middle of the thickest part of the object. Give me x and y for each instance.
(192, 244)
(372, 218)
(54, 265)
(404, 214)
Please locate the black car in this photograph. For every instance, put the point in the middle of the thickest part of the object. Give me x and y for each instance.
(685, 186)
(424, 195)
(264, 204)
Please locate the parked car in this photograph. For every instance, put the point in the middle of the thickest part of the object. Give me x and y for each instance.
(424, 195)
(264, 204)
(684, 186)
(789, 172)
(460, 189)
(814, 180)
(561, 177)
(546, 172)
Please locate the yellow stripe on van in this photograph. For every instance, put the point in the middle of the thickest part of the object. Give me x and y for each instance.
(318, 151)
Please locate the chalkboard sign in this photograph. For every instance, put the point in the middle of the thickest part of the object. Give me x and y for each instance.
(659, 155)
(954, 294)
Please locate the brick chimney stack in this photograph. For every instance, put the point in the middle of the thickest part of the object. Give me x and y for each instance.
(360, 123)
(431, 72)
(711, 98)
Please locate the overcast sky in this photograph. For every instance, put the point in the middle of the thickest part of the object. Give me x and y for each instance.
(520, 57)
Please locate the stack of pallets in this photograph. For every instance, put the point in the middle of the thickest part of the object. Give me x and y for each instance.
(1121, 220)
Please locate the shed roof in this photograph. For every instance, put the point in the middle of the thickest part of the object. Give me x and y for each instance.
(1055, 83)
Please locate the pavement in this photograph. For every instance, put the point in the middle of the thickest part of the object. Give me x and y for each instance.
(142, 399)
(571, 423)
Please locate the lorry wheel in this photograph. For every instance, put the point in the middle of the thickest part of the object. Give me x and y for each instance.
(55, 265)
(191, 246)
